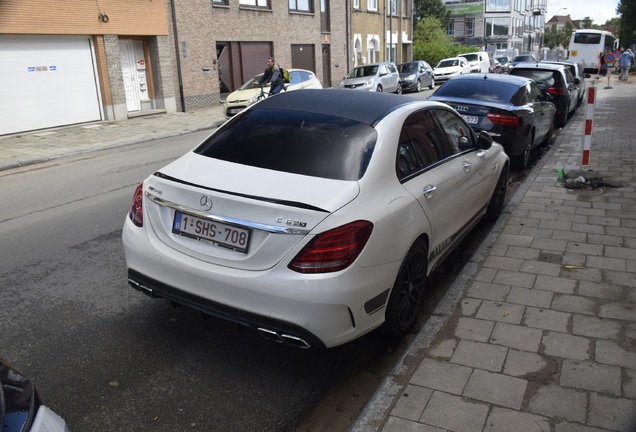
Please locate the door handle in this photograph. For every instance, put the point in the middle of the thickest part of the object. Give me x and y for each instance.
(429, 191)
(466, 166)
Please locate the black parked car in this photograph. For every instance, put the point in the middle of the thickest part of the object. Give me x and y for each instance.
(556, 80)
(523, 58)
(576, 69)
(512, 109)
(416, 75)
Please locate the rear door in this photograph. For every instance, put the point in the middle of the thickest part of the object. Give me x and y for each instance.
(438, 176)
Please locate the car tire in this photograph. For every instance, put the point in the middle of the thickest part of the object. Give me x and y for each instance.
(432, 85)
(399, 89)
(408, 291)
(378, 89)
(497, 200)
(419, 86)
(564, 119)
(522, 160)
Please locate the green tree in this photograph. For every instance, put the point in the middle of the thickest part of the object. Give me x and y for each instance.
(587, 23)
(627, 10)
(432, 44)
(432, 8)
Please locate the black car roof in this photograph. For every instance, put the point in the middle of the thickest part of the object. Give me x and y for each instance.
(540, 66)
(364, 107)
(512, 79)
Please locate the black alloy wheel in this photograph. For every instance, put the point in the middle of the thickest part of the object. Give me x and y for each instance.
(408, 291)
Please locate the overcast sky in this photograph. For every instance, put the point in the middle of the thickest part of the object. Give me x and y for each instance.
(599, 10)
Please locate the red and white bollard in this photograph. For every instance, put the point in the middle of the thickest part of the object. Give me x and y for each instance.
(589, 118)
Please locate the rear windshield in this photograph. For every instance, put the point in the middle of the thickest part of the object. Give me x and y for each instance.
(543, 78)
(469, 57)
(587, 38)
(486, 90)
(294, 142)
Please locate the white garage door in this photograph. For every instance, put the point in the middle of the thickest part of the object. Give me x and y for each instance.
(46, 82)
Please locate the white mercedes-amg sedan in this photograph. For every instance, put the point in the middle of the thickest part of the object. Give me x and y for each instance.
(315, 217)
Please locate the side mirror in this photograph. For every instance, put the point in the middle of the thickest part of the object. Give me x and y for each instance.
(484, 141)
(577, 81)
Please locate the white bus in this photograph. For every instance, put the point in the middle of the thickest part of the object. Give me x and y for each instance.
(587, 45)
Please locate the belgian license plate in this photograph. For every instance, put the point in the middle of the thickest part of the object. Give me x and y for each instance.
(471, 119)
(235, 110)
(212, 232)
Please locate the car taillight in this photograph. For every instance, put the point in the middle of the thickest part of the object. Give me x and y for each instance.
(136, 214)
(333, 250)
(556, 90)
(503, 119)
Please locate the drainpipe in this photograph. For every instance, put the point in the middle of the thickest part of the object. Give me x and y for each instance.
(178, 53)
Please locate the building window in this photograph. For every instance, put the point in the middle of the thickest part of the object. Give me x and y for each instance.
(301, 5)
(220, 2)
(264, 4)
(372, 5)
(497, 27)
(405, 8)
(450, 30)
(356, 4)
(469, 27)
(392, 8)
(497, 5)
(372, 52)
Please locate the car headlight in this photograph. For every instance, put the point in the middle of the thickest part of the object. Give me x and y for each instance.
(369, 82)
(410, 77)
(253, 99)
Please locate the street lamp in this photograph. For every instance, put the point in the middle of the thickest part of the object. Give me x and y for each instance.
(557, 14)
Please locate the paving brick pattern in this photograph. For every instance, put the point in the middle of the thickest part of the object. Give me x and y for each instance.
(545, 336)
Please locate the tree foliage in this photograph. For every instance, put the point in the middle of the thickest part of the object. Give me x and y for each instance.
(432, 8)
(432, 44)
(627, 10)
(554, 37)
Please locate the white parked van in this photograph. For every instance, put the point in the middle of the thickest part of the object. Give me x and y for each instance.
(478, 61)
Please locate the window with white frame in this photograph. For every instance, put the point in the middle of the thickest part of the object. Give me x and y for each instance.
(469, 27)
(372, 51)
(301, 5)
(405, 8)
(372, 5)
(356, 4)
(265, 4)
(392, 8)
(497, 5)
(220, 2)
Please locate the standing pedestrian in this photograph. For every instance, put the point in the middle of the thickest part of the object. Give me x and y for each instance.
(626, 60)
(271, 76)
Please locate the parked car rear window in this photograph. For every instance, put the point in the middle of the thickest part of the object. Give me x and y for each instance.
(543, 78)
(487, 90)
(295, 142)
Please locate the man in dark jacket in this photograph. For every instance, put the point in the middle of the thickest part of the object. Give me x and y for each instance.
(271, 76)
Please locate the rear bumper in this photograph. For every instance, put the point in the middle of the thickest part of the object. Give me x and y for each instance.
(280, 331)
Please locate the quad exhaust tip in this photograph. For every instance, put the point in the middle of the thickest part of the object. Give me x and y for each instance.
(294, 341)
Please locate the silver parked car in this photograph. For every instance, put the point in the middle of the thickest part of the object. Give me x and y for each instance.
(375, 77)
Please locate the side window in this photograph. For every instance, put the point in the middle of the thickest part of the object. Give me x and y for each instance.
(460, 137)
(420, 145)
(522, 96)
(296, 77)
(382, 70)
(535, 92)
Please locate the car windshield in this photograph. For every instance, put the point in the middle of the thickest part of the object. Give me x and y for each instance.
(363, 71)
(407, 67)
(295, 142)
(448, 63)
(248, 85)
(487, 90)
(470, 57)
(502, 59)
